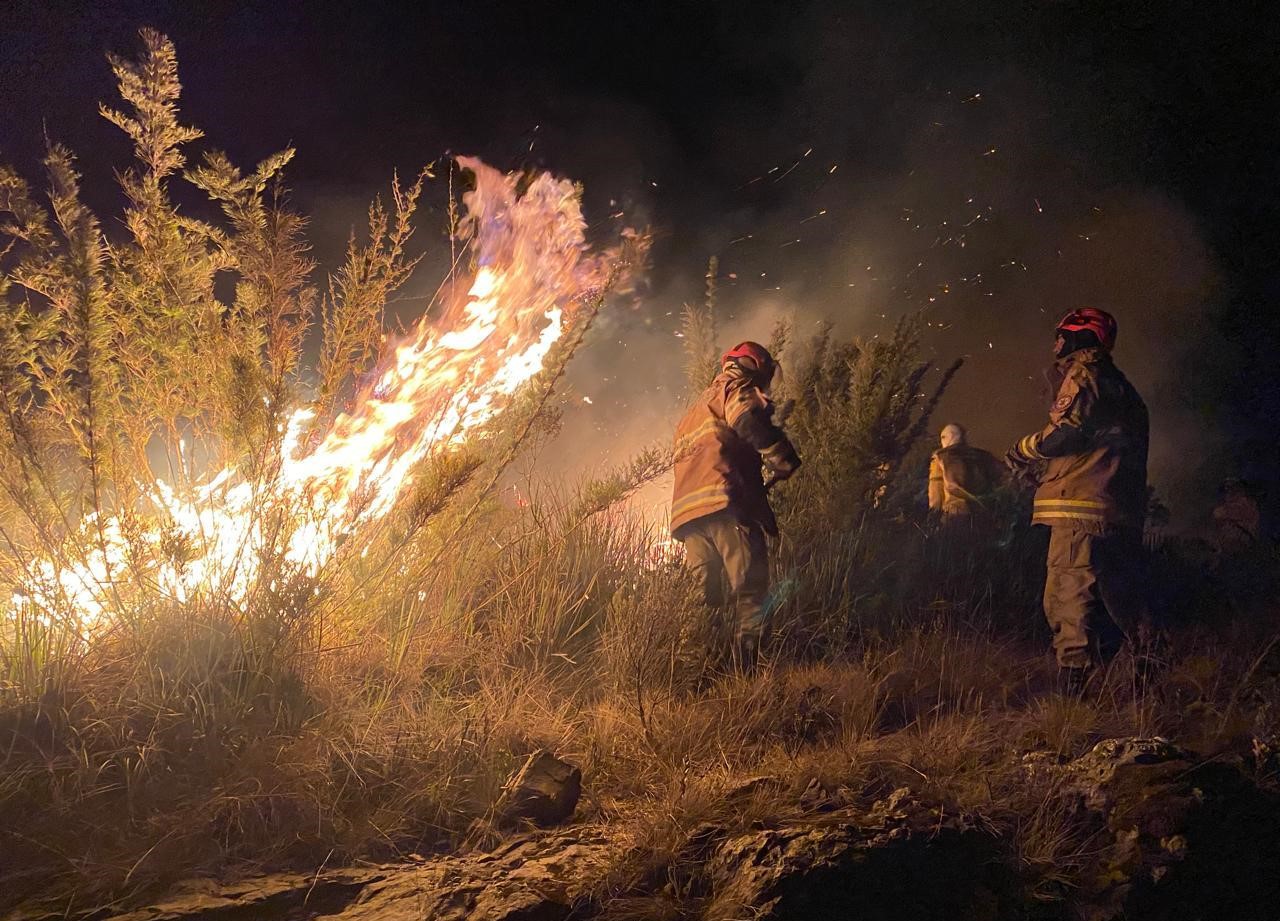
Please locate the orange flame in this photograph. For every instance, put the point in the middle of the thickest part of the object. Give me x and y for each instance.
(444, 380)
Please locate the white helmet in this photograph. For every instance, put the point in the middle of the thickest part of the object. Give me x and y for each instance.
(952, 434)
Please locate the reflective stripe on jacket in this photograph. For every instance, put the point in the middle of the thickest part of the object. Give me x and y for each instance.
(1094, 449)
(716, 467)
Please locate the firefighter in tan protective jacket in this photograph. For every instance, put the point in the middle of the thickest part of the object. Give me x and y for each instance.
(961, 477)
(1090, 465)
(720, 507)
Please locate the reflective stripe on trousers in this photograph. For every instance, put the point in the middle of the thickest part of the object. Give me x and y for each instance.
(721, 549)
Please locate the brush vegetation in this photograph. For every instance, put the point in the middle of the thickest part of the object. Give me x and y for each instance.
(374, 710)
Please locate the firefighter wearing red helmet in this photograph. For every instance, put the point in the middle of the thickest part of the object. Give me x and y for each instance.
(720, 507)
(1090, 468)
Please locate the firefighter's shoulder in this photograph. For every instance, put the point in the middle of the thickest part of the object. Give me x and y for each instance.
(1078, 377)
(1086, 376)
(745, 396)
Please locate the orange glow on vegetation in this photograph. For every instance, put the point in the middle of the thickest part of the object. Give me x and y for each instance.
(450, 375)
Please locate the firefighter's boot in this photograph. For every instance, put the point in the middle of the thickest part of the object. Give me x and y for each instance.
(1072, 682)
(746, 653)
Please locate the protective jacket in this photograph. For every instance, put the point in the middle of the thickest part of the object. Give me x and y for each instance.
(1093, 452)
(721, 446)
(1238, 521)
(960, 477)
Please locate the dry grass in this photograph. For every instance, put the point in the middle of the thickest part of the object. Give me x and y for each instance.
(160, 755)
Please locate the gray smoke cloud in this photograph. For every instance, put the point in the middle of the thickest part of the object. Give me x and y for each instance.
(993, 240)
(855, 166)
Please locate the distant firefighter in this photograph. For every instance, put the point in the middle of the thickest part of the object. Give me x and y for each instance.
(1237, 519)
(1090, 463)
(961, 477)
(720, 509)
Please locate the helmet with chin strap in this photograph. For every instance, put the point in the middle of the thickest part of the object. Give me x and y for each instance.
(753, 358)
(1089, 320)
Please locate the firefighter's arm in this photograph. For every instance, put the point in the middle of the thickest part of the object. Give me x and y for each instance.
(750, 414)
(1068, 429)
(936, 491)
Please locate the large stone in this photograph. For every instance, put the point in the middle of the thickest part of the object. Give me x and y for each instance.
(540, 878)
(1189, 838)
(544, 791)
(1109, 766)
(901, 861)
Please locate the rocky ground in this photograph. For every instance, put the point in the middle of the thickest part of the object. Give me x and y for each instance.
(1176, 837)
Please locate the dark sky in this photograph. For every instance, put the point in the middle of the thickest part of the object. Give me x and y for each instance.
(996, 163)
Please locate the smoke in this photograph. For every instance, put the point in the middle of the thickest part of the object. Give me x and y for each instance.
(981, 217)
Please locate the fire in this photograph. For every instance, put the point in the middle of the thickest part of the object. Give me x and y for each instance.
(663, 551)
(447, 378)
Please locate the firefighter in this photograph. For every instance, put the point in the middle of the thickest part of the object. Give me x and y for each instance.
(720, 508)
(1090, 467)
(1237, 518)
(961, 477)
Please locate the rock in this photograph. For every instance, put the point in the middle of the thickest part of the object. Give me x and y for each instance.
(1189, 838)
(1104, 770)
(750, 786)
(545, 791)
(1266, 756)
(816, 797)
(278, 895)
(530, 879)
(902, 860)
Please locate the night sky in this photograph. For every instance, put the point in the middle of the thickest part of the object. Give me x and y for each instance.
(993, 163)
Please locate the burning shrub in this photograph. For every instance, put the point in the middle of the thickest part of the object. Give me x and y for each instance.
(187, 537)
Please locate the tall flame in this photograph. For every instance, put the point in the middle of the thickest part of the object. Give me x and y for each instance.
(444, 380)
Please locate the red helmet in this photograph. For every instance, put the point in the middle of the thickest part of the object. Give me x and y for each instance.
(752, 356)
(1098, 322)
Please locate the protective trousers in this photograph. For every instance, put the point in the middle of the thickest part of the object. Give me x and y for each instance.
(720, 549)
(1094, 593)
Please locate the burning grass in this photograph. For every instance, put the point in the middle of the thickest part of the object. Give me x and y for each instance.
(353, 668)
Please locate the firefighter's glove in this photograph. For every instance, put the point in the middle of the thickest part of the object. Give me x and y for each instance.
(1016, 461)
(774, 477)
(1024, 471)
(781, 471)
(781, 459)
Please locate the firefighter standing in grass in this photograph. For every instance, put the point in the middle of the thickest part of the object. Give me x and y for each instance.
(961, 477)
(1090, 467)
(720, 508)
